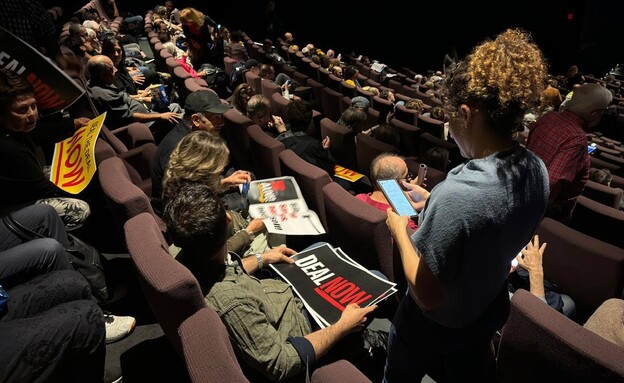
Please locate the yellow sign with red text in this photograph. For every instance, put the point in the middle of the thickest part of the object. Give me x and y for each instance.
(347, 174)
(73, 165)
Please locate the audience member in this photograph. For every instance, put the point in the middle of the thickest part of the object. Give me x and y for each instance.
(387, 166)
(559, 139)
(529, 275)
(267, 323)
(198, 29)
(240, 97)
(437, 157)
(299, 117)
(202, 157)
(120, 107)
(353, 118)
(387, 134)
(259, 111)
(608, 321)
(23, 178)
(461, 246)
(203, 110)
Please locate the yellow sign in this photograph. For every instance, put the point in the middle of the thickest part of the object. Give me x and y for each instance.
(73, 165)
(347, 174)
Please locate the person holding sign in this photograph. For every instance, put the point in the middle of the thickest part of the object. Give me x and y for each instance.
(265, 320)
(474, 223)
(22, 177)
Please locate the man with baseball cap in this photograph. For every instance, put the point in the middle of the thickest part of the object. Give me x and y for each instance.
(203, 110)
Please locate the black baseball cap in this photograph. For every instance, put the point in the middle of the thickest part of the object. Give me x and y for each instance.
(251, 63)
(205, 101)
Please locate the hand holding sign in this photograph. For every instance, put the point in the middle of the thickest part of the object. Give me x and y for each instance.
(73, 165)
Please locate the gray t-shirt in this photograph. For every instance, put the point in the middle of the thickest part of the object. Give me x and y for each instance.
(474, 224)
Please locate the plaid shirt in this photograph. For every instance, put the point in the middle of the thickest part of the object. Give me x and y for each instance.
(560, 141)
(260, 315)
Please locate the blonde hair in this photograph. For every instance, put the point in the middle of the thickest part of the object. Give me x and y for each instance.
(192, 15)
(199, 157)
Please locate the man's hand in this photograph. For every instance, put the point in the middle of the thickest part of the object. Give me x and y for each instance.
(396, 223)
(353, 317)
(239, 177)
(170, 116)
(80, 122)
(278, 254)
(139, 79)
(277, 123)
(255, 225)
(417, 195)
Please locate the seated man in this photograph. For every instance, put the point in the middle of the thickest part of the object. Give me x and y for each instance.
(387, 166)
(120, 107)
(265, 320)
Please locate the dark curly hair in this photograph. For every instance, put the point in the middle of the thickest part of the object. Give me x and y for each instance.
(505, 77)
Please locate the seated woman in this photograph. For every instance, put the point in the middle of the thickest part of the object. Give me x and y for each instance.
(202, 157)
(22, 177)
(131, 79)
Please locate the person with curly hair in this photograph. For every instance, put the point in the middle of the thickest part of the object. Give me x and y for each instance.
(474, 223)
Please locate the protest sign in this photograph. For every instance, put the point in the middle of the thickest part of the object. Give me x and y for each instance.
(327, 280)
(54, 90)
(73, 164)
(280, 202)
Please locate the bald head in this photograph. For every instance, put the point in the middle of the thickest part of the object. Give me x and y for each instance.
(589, 102)
(101, 69)
(387, 166)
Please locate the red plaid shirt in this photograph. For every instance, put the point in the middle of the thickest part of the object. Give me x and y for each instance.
(560, 141)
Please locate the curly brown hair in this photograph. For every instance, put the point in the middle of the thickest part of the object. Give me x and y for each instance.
(504, 76)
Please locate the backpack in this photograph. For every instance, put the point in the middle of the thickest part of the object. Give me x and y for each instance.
(218, 81)
(237, 77)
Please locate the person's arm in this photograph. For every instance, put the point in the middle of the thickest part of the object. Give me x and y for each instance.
(352, 319)
(276, 255)
(115, 10)
(146, 117)
(424, 286)
(531, 261)
(233, 180)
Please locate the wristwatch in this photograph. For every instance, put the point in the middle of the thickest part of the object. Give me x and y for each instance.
(259, 259)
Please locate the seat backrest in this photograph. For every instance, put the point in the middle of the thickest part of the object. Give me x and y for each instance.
(431, 126)
(268, 87)
(539, 344)
(207, 349)
(609, 196)
(170, 288)
(265, 152)
(433, 177)
(359, 229)
(124, 199)
(279, 104)
(103, 150)
(428, 141)
(598, 220)
(310, 179)
(409, 137)
(384, 107)
(342, 143)
(235, 133)
(255, 81)
(404, 114)
(367, 148)
(587, 269)
(331, 102)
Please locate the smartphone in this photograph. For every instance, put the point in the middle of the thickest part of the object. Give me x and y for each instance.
(591, 148)
(245, 189)
(396, 197)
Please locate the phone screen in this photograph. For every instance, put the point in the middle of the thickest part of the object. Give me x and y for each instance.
(591, 148)
(396, 197)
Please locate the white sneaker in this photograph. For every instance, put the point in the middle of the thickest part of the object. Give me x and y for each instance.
(118, 327)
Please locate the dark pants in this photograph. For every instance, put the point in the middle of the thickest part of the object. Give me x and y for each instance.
(53, 331)
(40, 218)
(417, 345)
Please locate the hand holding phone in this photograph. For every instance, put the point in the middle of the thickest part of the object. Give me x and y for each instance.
(396, 197)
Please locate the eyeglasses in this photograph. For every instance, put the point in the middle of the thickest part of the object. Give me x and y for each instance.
(409, 177)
